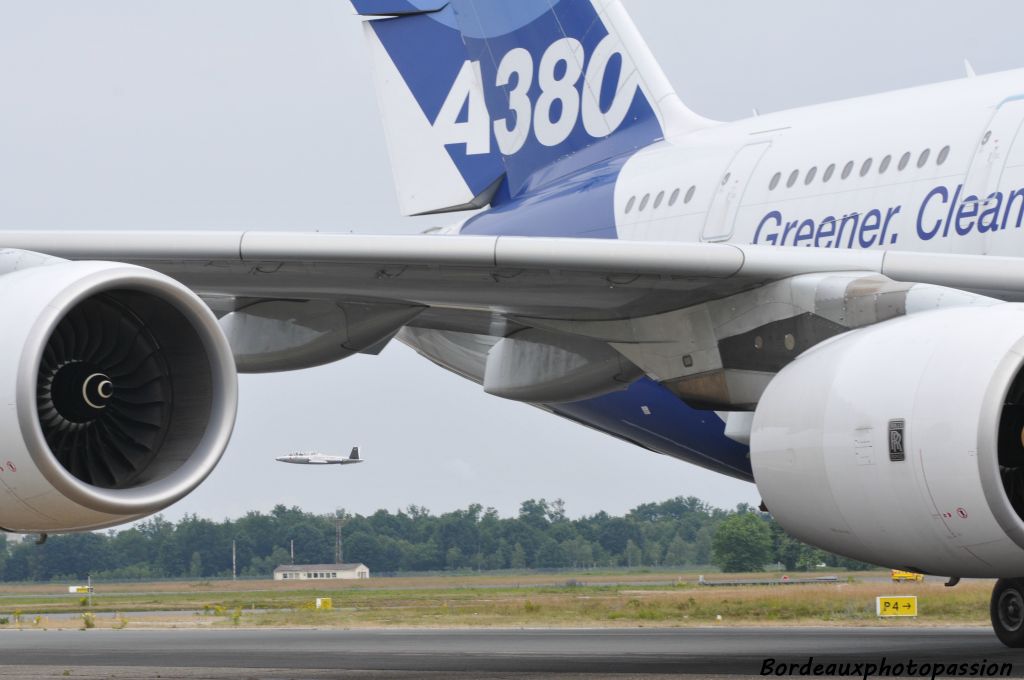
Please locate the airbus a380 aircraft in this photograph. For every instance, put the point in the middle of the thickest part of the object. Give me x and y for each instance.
(824, 301)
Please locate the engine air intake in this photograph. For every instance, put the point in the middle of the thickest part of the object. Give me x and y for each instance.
(123, 390)
(105, 394)
(1011, 445)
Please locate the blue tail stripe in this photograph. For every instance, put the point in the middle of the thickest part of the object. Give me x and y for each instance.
(429, 55)
(431, 47)
(582, 206)
(377, 8)
(535, 164)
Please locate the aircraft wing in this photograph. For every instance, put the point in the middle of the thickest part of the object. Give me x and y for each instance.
(511, 276)
(292, 300)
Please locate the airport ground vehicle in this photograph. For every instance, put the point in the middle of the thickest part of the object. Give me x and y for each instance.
(900, 576)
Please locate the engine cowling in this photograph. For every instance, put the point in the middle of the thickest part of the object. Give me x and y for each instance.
(901, 444)
(118, 395)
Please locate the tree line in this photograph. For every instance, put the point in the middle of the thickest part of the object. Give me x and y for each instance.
(677, 533)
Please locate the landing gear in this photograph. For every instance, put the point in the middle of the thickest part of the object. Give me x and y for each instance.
(1007, 611)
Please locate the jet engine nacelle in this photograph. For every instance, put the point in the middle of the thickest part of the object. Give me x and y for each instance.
(117, 395)
(900, 444)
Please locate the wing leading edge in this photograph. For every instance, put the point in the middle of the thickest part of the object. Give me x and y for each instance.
(680, 313)
(611, 275)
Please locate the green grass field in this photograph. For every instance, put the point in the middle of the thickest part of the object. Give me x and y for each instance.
(528, 600)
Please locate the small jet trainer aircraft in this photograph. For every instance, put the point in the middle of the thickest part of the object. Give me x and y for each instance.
(320, 459)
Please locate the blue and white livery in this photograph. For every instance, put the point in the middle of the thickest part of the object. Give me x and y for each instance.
(490, 102)
(825, 301)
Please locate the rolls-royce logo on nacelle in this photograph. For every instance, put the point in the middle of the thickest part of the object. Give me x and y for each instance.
(896, 450)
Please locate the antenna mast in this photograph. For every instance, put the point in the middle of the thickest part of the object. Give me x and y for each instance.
(339, 520)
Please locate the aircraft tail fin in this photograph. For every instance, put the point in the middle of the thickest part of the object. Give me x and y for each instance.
(355, 453)
(477, 94)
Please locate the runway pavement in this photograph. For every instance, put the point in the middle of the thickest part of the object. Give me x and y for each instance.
(493, 653)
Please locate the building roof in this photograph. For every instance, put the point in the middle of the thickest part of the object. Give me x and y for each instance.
(320, 567)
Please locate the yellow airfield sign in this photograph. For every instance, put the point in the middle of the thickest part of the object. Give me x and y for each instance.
(896, 605)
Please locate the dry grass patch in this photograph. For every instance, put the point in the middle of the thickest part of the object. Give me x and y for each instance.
(595, 606)
(663, 600)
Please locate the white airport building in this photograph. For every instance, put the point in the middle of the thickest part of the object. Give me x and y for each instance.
(306, 572)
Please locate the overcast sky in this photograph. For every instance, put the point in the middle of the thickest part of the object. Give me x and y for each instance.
(259, 114)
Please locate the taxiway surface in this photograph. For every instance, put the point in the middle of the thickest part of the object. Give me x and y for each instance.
(690, 651)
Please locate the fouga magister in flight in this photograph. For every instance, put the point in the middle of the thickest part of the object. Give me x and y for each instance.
(300, 458)
(825, 302)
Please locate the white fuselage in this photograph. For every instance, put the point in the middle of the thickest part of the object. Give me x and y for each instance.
(938, 168)
(315, 459)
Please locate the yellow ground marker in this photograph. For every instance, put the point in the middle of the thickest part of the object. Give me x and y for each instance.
(896, 605)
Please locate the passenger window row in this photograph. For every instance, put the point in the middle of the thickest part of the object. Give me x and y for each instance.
(865, 168)
(659, 199)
